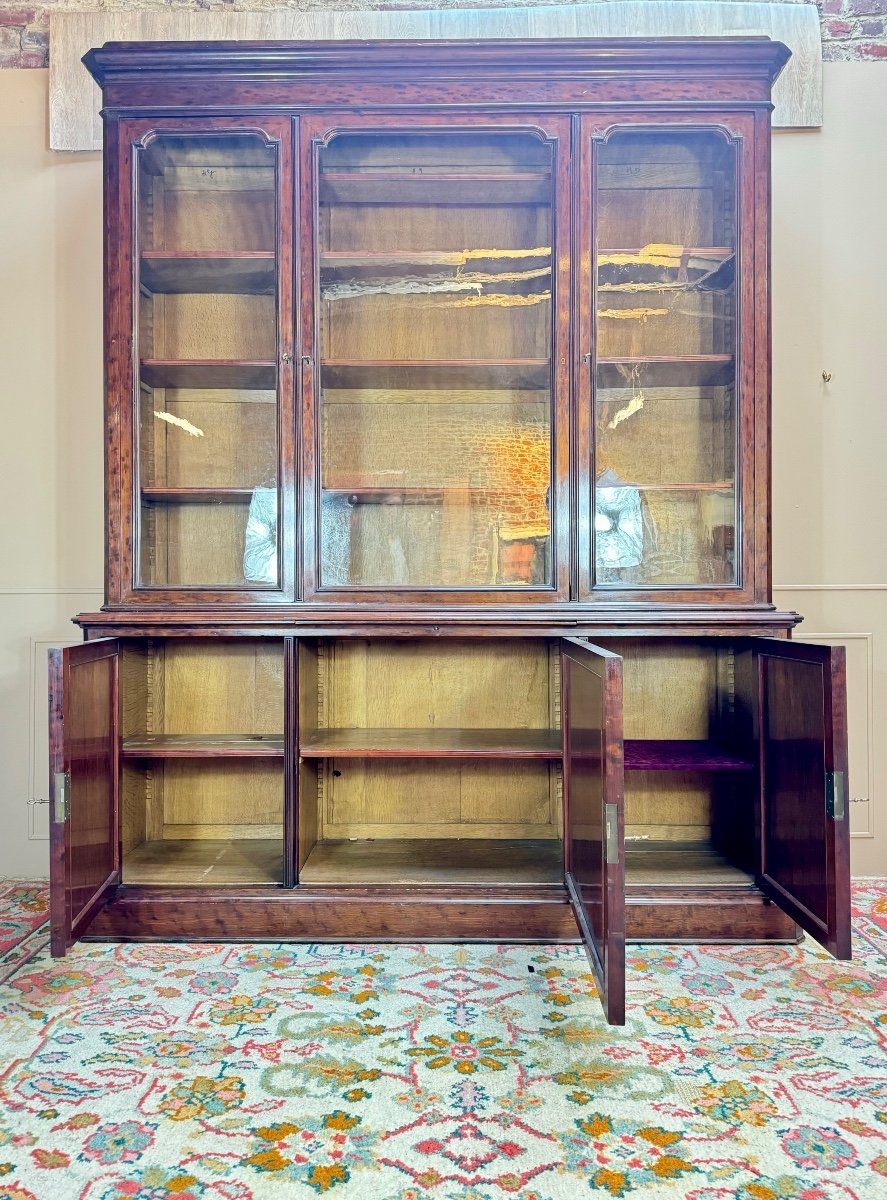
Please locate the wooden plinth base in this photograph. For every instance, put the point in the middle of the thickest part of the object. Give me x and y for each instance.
(423, 914)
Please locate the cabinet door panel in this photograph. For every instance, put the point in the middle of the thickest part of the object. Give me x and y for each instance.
(804, 841)
(208, 436)
(593, 793)
(663, 417)
(438, 387)
(83, 768)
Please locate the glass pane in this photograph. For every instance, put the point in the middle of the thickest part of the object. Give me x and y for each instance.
(207, 412)
(435, 324)
(665, 397)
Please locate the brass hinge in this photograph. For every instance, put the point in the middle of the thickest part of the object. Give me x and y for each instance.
(834, 795)
(61, 801)
(611, 846)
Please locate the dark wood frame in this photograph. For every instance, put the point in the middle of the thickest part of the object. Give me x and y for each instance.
(574, 92)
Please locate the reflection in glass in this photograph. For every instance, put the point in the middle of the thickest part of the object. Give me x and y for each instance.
(207, 407)
(665, 398)
(435, 322)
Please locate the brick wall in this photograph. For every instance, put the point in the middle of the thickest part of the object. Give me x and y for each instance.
(851, 29)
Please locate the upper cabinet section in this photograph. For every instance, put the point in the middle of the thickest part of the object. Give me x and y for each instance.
(381, 335)
(434, 389)
(665, 337)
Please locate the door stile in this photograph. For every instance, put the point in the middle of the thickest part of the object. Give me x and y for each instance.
(594, 818)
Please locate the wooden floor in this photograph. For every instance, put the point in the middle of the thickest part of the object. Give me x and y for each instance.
(206, 863)
(435, 860)
(678, 864)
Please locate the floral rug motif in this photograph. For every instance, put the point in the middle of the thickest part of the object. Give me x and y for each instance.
(375, 1072)
(24, 908)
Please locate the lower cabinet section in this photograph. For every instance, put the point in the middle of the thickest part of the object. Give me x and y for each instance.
(495, 788)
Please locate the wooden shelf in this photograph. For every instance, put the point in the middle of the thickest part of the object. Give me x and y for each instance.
(435, 860)
(224, 374)
(432, 743)
(681, 756)
(517, 374)
(196, 495)
(657, 864)
(186, 745)
(689, 370)
(244, 272)
(436, 187)
(414, 495)
(357, 264)
(721, 485)
(203, 862)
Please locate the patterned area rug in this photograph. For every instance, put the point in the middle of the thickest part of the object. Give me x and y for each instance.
(195, 1072)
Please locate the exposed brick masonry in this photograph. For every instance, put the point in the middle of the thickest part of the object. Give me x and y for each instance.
(851, 29)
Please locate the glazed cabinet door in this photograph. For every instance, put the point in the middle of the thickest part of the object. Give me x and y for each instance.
(804, 844)
(591, 682)
(436, 387)
(202, 439)
(84, 771)
(667, 313)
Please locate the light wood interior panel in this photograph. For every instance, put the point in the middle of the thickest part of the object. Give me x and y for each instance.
(666, 435)
(214, 325)
(411, 683)
(417, 327)
(635, 324)
(377, 798)
(223, 686)
(425, 683)
(202, 798)
(178, 687)
(200, 545)
(671, 692)
(235, 443)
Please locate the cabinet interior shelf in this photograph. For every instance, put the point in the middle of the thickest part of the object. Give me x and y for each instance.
(197, 495)
(519, 374)
(665, 755)
(209, 373)
(721, 485)
(688, 370)
(245, 272)
(431, 743)
(203, 745)
(435, 187)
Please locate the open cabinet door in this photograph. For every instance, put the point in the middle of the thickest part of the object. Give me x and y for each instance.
(83, 785)
(591, 681)
(804, 863)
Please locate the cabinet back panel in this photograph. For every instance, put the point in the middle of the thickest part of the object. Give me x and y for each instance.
(419, 683)
(218, 687)
(214, 325)
(236, 443)
(670, 688)
(400, 228)
(197, 799)
(676, 436)
(230, 799)
(198, 544)
(385, 798)
(413, 327)
(224, 219)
